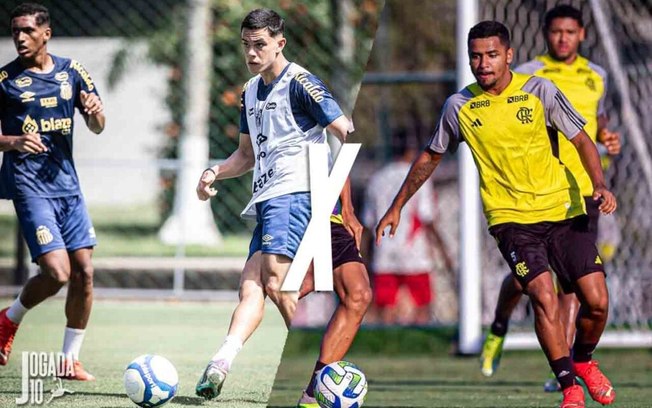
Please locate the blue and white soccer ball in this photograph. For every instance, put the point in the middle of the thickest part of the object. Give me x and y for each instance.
(151, 381)
(340, 385)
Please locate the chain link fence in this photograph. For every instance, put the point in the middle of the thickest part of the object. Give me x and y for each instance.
(626, 237)
(409, 76)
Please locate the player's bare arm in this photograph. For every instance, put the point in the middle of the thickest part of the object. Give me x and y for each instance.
(27, 143)
(349, 220)
(591, 162)
(610, 140)
(238, 163)
(340, 128)
(420, 171)
(93, 111)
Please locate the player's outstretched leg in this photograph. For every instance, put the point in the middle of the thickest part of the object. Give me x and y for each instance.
(568, 309)
(79, 303)
(246, 318)
(55, 272)
(594, 298)
(274, 269)
(552, 339)
(492, 349)
(352, 286)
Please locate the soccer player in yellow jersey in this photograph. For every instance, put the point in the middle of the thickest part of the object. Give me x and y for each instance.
(585, 85)
(532, 203)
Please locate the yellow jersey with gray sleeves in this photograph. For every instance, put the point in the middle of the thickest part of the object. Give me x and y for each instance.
(585, 85)
(513, 140)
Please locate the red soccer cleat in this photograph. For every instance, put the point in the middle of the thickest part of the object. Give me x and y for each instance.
(600, 388)
(573, 397)
(7, 332)
(77, 372)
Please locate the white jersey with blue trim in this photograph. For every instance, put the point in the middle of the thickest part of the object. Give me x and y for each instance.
(280, 144)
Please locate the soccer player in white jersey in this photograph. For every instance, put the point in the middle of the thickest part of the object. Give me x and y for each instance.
(284, 109)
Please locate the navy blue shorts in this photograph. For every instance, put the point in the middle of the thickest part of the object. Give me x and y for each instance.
(281, 223)
(54, 223)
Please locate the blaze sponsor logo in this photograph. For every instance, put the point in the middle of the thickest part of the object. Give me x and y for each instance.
(23, 82)
(63, 125)
(61, 76)
(49, 102)
(43, 235)
(518, 98)
(27, 96)
(3, 76)
(315, 91)
(83, 73)
(29, 125)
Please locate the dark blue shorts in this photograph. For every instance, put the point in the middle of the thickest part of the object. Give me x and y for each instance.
(54, 223)
(281, 223)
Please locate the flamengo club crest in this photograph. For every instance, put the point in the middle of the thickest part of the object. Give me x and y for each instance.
(41, 372)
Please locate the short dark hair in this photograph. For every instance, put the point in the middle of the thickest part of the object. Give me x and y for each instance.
(562, 11)
(32, 9)
(486, 29)
(264, 18)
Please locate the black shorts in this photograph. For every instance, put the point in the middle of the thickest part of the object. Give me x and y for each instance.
(532, 249)
(343, 246)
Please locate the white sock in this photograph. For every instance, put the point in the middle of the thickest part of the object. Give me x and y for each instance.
(72, 342)
(17, 311)
(230, 348)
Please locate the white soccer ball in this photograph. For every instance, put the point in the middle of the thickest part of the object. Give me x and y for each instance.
(340, 385)
(151, 381)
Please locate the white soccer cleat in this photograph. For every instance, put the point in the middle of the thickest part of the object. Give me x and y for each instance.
(211, 382)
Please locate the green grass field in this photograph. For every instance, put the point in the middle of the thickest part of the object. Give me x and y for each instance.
(187, 334)
(422, 373)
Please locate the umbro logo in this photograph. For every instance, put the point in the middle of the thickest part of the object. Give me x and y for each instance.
(476, 123)
(267, 239)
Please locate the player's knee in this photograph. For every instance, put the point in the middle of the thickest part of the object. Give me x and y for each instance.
(599, 308)
(359, 299)
(58, 275)
(84, 275)
(545, 302)
(273, 289)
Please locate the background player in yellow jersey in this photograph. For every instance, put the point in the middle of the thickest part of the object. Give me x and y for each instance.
(585, 85)
(532, 203)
